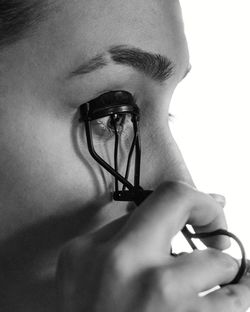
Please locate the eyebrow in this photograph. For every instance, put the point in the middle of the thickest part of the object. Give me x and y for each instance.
(156, 66)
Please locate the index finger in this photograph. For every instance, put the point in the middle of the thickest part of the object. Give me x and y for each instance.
(162, 215)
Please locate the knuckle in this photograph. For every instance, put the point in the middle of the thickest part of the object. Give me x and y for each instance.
(224, 260)
(175, 186)
(234, 294)
(73, 253)
(202, 256)
(119, 261)
(179, 189)
(163, 282)
(213, 254)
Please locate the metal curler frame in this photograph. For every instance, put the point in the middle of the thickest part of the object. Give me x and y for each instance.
(111, 104)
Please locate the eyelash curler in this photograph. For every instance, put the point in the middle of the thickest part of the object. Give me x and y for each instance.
(116, 104)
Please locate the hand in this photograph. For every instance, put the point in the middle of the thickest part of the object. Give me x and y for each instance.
(127, 266)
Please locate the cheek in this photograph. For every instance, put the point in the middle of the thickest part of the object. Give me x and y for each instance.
(42, 172)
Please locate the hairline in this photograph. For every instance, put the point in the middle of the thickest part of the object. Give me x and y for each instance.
(37, 12)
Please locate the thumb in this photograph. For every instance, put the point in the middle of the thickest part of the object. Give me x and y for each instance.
(163, 214)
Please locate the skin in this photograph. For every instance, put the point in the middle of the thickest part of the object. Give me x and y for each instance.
(52, 191)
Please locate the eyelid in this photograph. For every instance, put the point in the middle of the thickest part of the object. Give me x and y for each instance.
(108, 101)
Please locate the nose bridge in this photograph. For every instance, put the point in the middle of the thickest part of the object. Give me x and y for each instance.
(161, 158)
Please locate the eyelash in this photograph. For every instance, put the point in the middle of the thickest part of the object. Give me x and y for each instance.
(105, 125)
(171, 117)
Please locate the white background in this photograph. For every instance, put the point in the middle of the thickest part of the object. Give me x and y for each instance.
(212, 105)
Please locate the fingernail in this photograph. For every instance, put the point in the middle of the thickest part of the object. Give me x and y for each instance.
(221, 200)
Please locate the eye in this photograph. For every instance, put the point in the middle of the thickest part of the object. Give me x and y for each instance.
(105, 127)
(110, 113)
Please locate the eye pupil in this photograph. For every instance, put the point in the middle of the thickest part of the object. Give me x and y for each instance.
(116, 122)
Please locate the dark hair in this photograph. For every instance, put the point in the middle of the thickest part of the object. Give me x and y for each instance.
(18, 17)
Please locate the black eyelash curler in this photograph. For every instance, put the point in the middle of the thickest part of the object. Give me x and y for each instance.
(116, 104)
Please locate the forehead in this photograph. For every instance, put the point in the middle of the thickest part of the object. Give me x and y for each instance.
(85, 28)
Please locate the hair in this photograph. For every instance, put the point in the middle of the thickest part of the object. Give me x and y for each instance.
(19, 17)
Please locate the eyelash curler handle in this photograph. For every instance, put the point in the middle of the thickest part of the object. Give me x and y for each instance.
(137, 195)
(141, 195)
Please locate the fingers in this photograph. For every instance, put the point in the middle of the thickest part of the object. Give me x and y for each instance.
(165, 213)
(204, 269)
(219, 242)
(109, 231)
(181, 281)
(231, 298)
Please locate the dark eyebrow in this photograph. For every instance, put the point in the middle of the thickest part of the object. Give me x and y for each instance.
(155, 66)
(91, 65)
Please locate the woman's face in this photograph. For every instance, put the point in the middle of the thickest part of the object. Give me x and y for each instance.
(46, 171)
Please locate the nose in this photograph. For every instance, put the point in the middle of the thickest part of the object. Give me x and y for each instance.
(161, 158)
